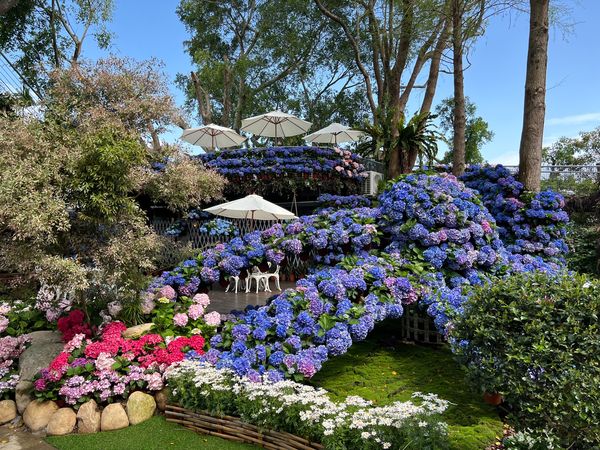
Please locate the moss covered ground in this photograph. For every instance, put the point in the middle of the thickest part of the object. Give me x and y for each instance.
(384, 370)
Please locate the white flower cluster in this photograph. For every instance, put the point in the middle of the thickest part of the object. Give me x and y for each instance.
(260, 403)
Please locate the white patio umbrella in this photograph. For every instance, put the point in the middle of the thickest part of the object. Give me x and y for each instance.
(252, 207)
(334, 134)
(212, 136)
(275, 124)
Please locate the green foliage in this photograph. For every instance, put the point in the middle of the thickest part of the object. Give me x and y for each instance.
(69, 212)
(23, 317)
(384, 370)
(415, 135)
(262, 67)
(153, 434)
(534, 339)
(101, 184)
(45, 35)
(477, 132)
(583, 239)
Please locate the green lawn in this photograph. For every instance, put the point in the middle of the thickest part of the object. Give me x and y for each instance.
(154, 434)
(383, 370)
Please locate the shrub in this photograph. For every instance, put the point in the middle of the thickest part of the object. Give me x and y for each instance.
(287, 170)
(534, 339)
(528, 223)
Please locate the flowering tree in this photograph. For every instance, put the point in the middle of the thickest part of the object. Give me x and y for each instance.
(69, 215)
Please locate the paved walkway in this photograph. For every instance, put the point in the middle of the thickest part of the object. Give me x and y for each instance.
(18, 438)
(225, 302)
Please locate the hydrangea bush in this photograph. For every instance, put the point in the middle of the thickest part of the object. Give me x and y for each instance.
(287, 169)
(308, 412)
(429, 240)
(343, 201)
(528, 224)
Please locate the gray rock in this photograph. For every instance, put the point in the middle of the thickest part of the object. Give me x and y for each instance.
(36, 357)
(113, 417)
(8, 411)
(23, 396)
(61, 422)
(88, 417)
(137, 331)
(140, 407)
(37, 414)
(162, 398)
(44, 337)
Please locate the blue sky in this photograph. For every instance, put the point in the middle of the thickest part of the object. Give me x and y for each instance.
(495, 80)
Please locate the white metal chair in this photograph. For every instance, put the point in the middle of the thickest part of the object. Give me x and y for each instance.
(235, 281)
(275, 275)
(259, 277)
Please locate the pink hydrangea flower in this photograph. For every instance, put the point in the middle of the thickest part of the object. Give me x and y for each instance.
(104, 361)
(201, 299)
(3, 324)
(213, 319)
(154, 380)
(180, 319)
(74, 343)
(167, 292)
(195, 311)
(148, 304)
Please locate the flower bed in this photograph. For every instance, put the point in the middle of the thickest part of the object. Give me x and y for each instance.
(112, 367)
(305, 411)
(287, 169)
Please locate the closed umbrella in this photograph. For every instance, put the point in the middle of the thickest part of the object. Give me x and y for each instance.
(212, 136)
(252, 207)
(334, 134)
(275, 124)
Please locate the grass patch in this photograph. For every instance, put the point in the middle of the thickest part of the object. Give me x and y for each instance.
(383, 370)
(153, 434)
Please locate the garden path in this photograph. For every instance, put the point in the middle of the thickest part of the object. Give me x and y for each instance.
(225, 302)
(18, 438)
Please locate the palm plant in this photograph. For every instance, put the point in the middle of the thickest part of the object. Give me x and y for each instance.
(413, 139)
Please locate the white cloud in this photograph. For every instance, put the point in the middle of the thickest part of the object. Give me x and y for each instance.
(575, 119)
(507, 159)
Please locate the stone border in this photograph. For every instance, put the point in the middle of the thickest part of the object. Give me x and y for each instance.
(47, 417)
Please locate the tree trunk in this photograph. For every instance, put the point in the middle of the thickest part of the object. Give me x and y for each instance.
(203, 99)
(532, 134)
(7, 5)
(459, 119)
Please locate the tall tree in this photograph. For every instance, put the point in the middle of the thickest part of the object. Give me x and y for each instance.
(459, 120)
(244, 65)
(392, 41)
(532, 135)
(45, 35)
(477, 132)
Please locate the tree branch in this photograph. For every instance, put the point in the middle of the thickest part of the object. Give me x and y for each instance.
(357, 54)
